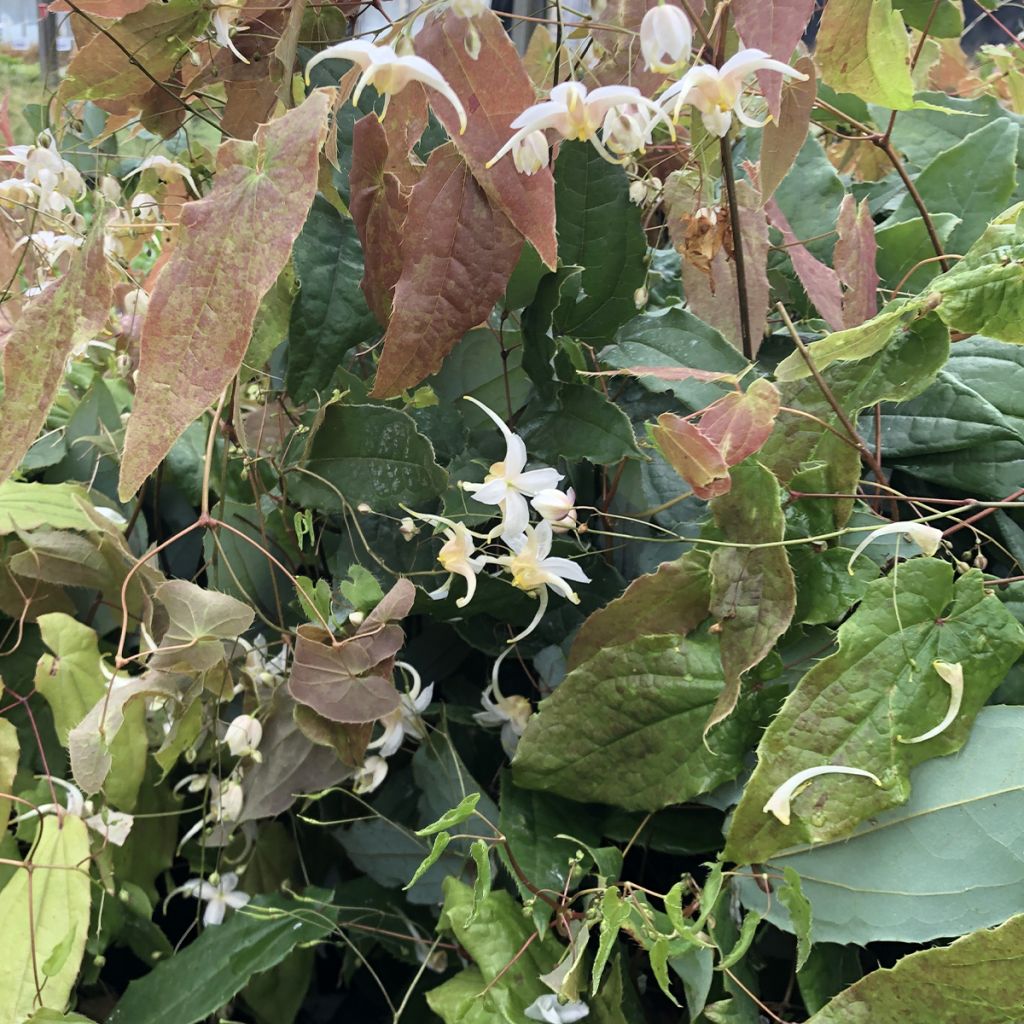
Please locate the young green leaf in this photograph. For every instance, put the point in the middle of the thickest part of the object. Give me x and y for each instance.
(793, 899)
(454, 817)
(441, 841)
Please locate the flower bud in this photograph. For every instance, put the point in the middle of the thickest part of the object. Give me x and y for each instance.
(243, 736)
(530, 154)
(637, 192)
(408, 529)
(557, 507)
(666, 38)
(625, 130)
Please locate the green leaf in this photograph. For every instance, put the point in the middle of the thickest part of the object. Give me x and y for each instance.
(315, 599)
(890, 880)
(659, 955)
(599, 230)
(10, 751)
(863, 48)
(494, 936)
(977, 978)
(441, 841)
(480, 851)
(458, 1000)
(361, 589)
(904, 244)
(454, 817)
(230, 249)
(984, 292)
(974, 190)
(270, 327)
(72, 683)
(365, 453)
(753, 595)
(829, 969)
(746, 937)
(792, 897)
(329, 315)
(673, 339)
(39, 911)
(825, 588)
(672, 599)
(614, 914)
(696, 970)
(579, 424)
(853, 344)
(199, 979)
(25, 507)
(810, 196)
(625, 727)
(878, 687)
(943, 21)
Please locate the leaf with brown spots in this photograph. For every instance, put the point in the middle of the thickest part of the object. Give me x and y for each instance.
(36, 351)
(458, 255)
(231, 248)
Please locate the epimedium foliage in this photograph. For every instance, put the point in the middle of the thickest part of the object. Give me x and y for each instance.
(504, 534)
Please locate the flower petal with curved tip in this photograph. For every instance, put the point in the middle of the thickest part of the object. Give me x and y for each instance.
(356, 50)
(953, 674)
(927, 538)
(778, 802)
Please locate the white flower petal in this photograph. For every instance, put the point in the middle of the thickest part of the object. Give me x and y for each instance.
(953, 674)
(927, 538)
(778, 803)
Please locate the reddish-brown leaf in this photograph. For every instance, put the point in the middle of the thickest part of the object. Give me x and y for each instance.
(231, 247)
(692, 456)
(820, 281)
(774, 26)
(855, 261)
(784, 137)
(713, 296)
(457, 257)
(739, 424)
(494, 89)
(36, 351)
(379, 206)
(101, 8)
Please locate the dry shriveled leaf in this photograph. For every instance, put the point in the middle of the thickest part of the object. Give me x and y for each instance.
(458, 254)
(231, 248)
(67, 314)
(494, 89)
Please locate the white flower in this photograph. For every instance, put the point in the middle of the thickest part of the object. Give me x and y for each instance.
(51, 246)
(166, 170)
(557, 507)
(457, 557)
(407, 528)
(218, 894)
(927, 538)
(243, 736)
(574, 112)
(260, 668)
(405, 720)
(370, 774)
(145, 208)
(511, 714)
(717, 92)
(530, 153)
(469, 8)
(16, 192)
(778, 802)
(113, 826)
(548, 1008)
(507, 485)
(953, 674)
(666, 38)
(388, 73)
(226, 800)
(224, 18)
(626, 130)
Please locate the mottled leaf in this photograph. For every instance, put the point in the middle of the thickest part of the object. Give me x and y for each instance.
(67, 314)
(855, 261)
(740, 423)
(776, 28)
(851, 708)
(231, 248)
(692, 455)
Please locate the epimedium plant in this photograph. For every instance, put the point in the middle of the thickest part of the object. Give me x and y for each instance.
(508, 534)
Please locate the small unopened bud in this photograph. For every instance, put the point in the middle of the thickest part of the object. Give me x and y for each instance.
(408, 529)
(640, 297)
(363, 507)
(638, 192)
(356, 618)
(530, 154)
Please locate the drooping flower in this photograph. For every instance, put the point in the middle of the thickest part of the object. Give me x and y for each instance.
(51, 246)
(218, 894)
(388, 73)
(510, 714)
(547, 1008)
(557, 507)
(113, 826)
(457, 557)
(243, 736)
(574, 112)
(165, 169)
(926, 537)
(531, 153)
(778, 803)
(405, 720)
(717, 92)
(145, 208)
(951, 673)
(509, 483)
(535, 571)
(666, 38)
(224, 18)
(626, 130)
(370, 774)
